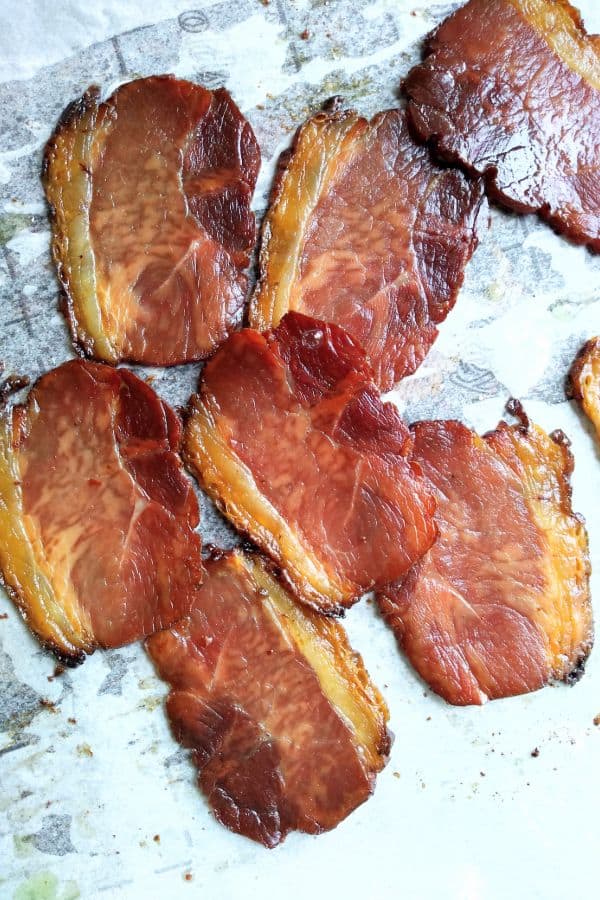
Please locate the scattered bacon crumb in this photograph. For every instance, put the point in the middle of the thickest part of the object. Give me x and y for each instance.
(304, 35)
(188, 876)
(597, 719)
(3, 615)
(156, 838)
(535, 752)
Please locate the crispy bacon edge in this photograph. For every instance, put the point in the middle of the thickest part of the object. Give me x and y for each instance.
(583, 382)
(340, 670)
(66, 184)
(68, 645)
(77, 130)
(322, 138)
(577, 49)
(548, 494)
(231, 486)
(545, 464)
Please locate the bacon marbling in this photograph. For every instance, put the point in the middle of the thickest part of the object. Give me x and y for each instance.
(364, 231)
(291, 439)
(501, 604)
(97, 517)
(150, 195)
(510, 89)
(287, 731)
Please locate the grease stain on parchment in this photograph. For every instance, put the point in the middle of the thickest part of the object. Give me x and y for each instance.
(45, 886)
(11, 224)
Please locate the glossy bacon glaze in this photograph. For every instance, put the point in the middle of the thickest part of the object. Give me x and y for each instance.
(150, 196)
(287, 730)
(501, 603)
(363, 230)
(290, 438)
(511, 89)
(97, 517)
(584, 381)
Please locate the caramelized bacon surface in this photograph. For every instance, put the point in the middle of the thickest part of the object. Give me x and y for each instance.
(511, 89)
(150, 194)
(97, 546)
(366, 232)
(291, 439)
(500, 605)
(584, 381)
(287, 730)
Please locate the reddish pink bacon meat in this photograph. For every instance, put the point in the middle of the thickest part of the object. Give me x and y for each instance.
(365, 231)
(286, 728)
(150, 193)
(511, 89)
(289, 436)
(500, 605)
(97, 518)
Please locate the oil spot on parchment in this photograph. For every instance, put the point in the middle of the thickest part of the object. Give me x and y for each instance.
(45, 886)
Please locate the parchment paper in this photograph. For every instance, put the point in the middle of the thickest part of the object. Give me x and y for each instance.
(96, 798)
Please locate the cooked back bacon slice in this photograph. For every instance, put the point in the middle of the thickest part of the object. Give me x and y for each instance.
(290, 438)
(510, 89)
(150, 194)
(287, 730)
(501, 604)
(97, 517)
(365, 231)
(584, 381)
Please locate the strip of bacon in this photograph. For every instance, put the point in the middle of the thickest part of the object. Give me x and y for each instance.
(287, 730)
(365, 231)
(501, 603)
(290, 438)
(511, 89)
(150, 196)
(584, 381)
(97, 517)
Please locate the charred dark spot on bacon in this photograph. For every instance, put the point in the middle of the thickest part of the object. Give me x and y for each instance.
(97, 518)
(521, 109)
(287, 731)
(11, 385)
(515, 408)
(364, 231)
(290, 438)
(501, 603)
(150, 197)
